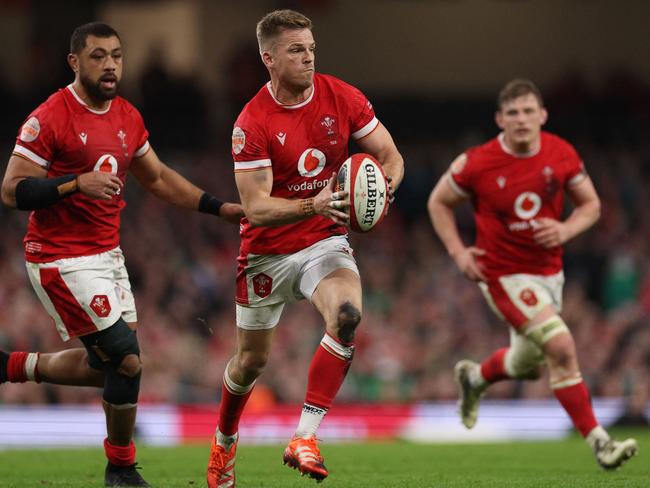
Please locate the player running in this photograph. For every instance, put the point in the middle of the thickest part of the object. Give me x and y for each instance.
(287, 143)
(517, 182)
(69, 167)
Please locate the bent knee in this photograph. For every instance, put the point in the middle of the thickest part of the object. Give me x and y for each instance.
(252, 364)
(130, 366)
(348, 318)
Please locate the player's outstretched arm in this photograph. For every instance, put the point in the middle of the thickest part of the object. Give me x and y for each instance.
(264, 210)
(379, 143)
(441, 204)
(26, 186)
(168, 185)
(552, 233)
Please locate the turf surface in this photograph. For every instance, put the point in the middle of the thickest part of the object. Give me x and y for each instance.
(567, 463)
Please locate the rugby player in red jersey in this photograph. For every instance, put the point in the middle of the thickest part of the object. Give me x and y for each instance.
(287, 143)
(516, 183)
(68, 167)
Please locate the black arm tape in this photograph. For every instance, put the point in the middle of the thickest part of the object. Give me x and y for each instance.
(35, 193)
(210, 204)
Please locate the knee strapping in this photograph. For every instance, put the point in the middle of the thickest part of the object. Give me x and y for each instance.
(120, 389)
(110, 346)
(348, 318)
(541, 333)
(116, 351)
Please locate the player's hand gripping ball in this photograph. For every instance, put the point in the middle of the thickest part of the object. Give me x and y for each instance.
(364, 179)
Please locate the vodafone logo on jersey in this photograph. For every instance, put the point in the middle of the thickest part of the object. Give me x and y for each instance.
(106, 164)
(527, 205)
(311, 163)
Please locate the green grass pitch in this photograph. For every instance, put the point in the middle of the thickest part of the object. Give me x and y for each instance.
(566, 463)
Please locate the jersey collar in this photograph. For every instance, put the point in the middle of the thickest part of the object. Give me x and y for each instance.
(85, 105)
(502, 142)
(269, 87)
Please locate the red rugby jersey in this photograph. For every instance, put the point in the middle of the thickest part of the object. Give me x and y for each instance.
(65, 136)
(303, 144)
(508, 193)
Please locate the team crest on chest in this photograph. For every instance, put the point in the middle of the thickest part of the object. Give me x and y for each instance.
(122, 135)
(552, 184)
(329, 124)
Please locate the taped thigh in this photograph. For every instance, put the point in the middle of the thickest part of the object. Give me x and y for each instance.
(543, 332)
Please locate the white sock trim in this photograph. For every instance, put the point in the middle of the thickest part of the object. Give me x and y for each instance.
(30, 366)
(233, 387)
(566, 383)
(333, 346)
(597, 433)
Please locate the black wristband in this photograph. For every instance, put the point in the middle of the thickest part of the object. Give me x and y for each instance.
(210, 204)
(36, 193)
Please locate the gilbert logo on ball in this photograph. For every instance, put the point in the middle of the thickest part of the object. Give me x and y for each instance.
(363, 178)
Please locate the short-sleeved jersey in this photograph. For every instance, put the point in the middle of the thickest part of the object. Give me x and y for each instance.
(303, 144)
(64, 136)
(509, 193)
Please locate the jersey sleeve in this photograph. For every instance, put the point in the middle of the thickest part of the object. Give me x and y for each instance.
(460, 175)
(576, 171)
(249, 146)
(363, 120)
(36, 140)
(142, 145)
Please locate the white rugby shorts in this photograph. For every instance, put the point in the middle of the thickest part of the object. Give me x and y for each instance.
(266, 282)
(84, 294)
(517, 298)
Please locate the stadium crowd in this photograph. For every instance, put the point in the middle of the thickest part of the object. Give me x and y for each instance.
(420, 315)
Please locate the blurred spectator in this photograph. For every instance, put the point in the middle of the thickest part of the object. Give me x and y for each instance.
(420, 315)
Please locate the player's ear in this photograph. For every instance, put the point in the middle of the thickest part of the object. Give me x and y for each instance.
(267, 58)
(73, 62)
(498, 118)
(544, 116)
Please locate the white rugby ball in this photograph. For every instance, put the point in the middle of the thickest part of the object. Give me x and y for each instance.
(364, 179)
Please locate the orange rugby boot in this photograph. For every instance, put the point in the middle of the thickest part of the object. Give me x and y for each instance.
(221, 466)
(303, 454)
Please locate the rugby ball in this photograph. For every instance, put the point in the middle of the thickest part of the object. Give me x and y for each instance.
(364, 179)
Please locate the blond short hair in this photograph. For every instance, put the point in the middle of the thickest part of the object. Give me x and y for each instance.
(274, 23)
(516, 88)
